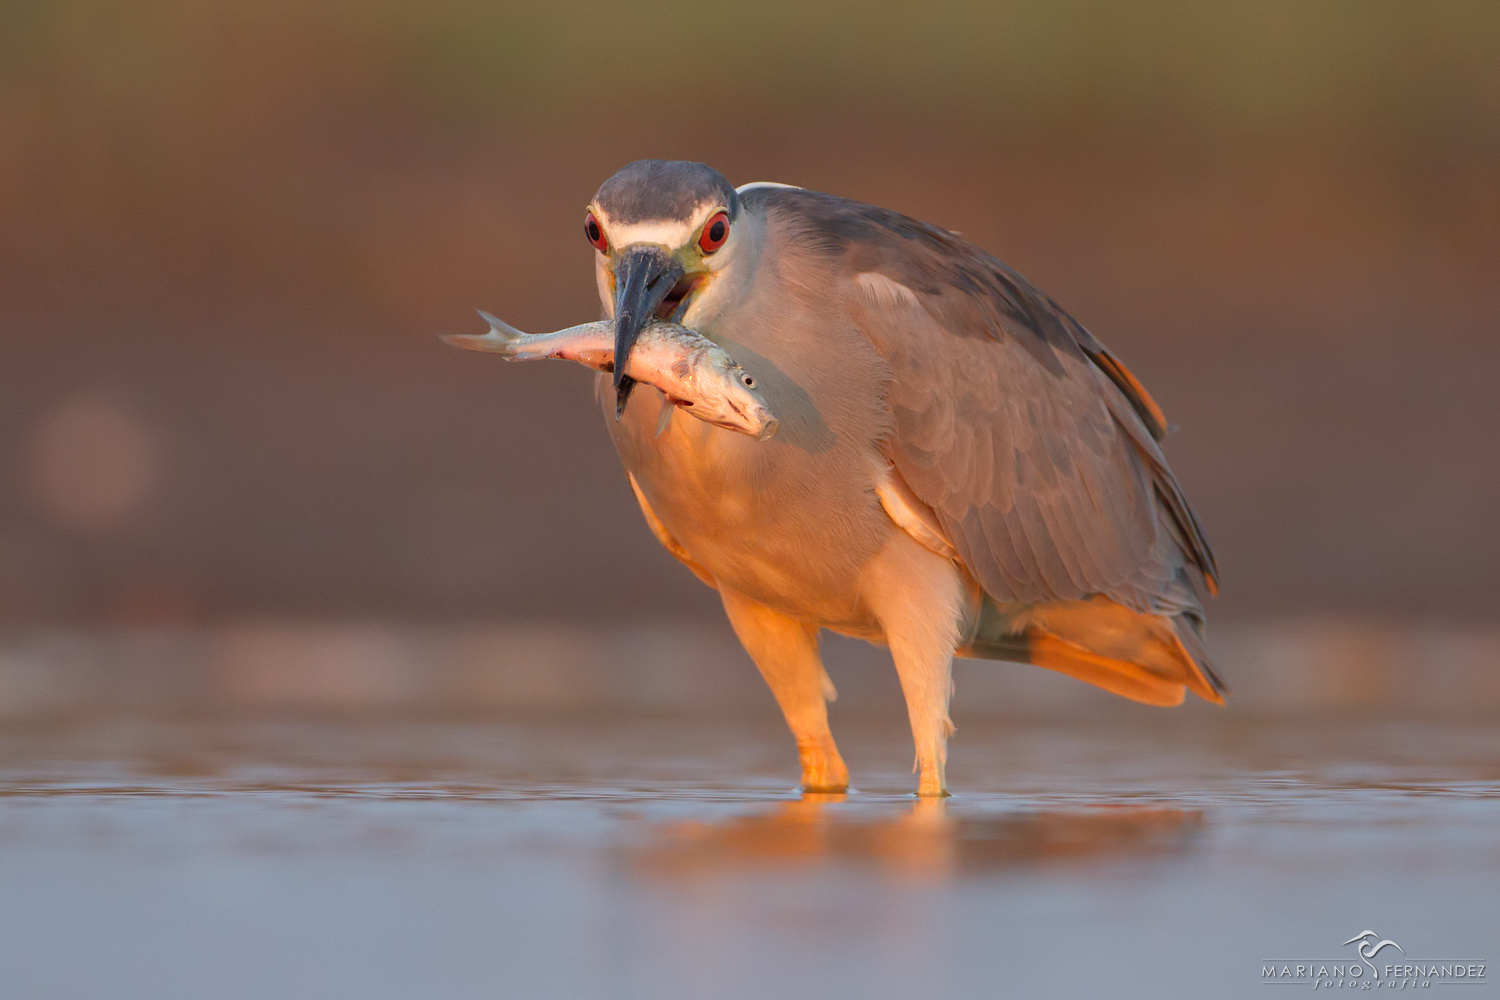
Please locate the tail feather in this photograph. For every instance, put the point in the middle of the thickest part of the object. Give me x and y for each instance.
(1121, 677)
(1190, 634)
(1148, 658)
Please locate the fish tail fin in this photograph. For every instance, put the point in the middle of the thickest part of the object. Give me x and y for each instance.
(502, 338)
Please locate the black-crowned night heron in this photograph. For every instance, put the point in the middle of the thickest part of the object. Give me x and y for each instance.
(960, 468)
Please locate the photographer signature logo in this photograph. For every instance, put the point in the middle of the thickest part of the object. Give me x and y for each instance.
(1372, 971)
(1370, 945)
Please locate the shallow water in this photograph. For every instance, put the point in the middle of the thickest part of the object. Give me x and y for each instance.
(1146, 854)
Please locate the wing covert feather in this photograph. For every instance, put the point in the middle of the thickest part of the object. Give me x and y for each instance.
(1049, 487)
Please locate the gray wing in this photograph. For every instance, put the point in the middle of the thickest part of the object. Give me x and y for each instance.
(1036, 449)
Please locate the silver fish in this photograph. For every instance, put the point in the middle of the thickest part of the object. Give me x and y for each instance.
(692, 371)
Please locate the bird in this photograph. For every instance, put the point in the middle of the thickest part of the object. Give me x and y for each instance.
(961, 468)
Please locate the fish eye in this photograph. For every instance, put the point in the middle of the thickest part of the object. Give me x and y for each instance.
(715, 233)
(595, 233)
(747, 380)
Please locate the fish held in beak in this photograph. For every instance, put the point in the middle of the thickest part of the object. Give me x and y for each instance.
(644, 275)
(695, 374)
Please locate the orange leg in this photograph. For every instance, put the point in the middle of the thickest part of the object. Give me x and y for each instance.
(786, 652)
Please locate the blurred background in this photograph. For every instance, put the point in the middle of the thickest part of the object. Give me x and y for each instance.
(337, 662)
(231, 232)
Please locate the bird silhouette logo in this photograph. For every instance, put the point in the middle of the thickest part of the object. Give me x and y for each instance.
(1371, 944)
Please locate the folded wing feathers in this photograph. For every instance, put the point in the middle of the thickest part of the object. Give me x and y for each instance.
(1046, 477)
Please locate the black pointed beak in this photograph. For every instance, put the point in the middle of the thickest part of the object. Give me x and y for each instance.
(643, 277)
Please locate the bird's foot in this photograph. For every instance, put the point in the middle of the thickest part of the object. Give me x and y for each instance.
(823, 769)
(933, 780)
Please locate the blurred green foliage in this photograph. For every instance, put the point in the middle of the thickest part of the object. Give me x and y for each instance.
(1375, 71)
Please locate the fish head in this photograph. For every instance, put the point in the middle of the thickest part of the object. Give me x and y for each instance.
(730, 397)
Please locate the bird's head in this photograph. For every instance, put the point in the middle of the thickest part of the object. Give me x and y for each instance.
(664, 231)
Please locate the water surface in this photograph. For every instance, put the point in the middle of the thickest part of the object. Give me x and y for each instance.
(1142, 854)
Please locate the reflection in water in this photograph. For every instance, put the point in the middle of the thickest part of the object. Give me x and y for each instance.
(928, 839)
(389, 857)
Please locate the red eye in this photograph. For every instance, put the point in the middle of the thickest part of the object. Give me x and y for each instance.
(715, 233)
(592, 230)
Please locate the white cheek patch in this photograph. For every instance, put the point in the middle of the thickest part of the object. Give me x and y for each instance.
(668, 234)
(665, 232)
(606, 289)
